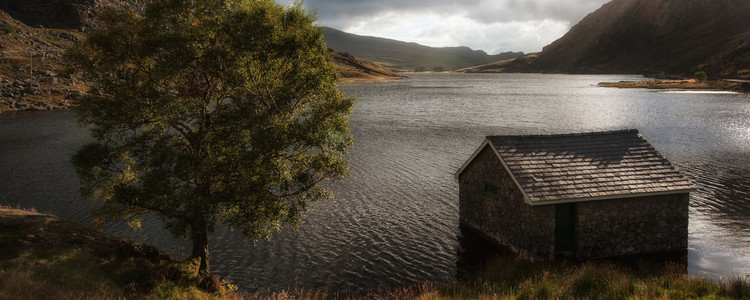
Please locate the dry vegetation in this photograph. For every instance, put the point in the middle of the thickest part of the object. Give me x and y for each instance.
(509, 278)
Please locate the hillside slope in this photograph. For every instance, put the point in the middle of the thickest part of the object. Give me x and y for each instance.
(30, 67)
(409, 56)
(355, 69)
(64, 14)
(653, 36)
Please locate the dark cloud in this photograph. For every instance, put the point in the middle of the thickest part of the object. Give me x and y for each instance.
(360, 8)
(485, 11)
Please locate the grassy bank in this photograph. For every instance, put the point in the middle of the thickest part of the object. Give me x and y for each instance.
(509, 278)
(45, 257)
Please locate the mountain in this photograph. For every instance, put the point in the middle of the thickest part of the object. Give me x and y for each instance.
(650, 36)
(409, 56)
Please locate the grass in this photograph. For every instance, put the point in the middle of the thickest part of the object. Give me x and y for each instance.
(509, 278)
(66, 274)
(44, 257)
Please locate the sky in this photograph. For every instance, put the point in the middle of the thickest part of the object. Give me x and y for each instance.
(494, 26)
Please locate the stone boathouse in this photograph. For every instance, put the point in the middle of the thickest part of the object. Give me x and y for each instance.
(598, 194)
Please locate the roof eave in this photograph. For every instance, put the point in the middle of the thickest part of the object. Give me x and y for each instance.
(610, 197)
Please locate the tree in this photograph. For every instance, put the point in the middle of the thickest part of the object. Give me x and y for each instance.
(210, 111)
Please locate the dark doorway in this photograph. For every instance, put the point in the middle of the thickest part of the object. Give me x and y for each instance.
(565, 227)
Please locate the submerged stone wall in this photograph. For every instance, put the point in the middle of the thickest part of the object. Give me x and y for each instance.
(632, 226)
(504, 218)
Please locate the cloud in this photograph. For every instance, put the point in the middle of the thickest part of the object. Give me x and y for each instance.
(490, 25)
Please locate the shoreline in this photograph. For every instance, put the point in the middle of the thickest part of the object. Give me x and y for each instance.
(46, 256)
(54, 103)
(680, 84)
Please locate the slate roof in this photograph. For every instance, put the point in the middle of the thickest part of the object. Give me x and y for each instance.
(588, 166)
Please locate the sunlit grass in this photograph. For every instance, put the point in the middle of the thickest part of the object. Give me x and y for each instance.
(509, 278)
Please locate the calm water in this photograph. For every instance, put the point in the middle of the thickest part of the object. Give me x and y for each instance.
(396, 218)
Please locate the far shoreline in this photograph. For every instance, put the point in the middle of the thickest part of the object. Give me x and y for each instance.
(682, 84)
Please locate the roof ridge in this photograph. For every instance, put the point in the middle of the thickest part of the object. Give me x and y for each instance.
(606, 132)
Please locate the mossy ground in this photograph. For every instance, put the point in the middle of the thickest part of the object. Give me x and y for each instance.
(44, 257)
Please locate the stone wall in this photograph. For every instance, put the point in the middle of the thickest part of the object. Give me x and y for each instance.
(632, 226)
(505, 219)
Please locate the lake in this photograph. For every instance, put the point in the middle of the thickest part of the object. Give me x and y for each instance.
(395, 220)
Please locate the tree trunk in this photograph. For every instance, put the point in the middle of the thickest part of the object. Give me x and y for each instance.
(200, 245)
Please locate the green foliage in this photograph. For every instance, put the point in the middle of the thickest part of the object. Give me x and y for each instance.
(700, 76)
(209, 111)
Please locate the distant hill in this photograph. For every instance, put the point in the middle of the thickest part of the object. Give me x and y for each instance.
(522, 64)
(650, 36)
(409, 56)
(354, 69)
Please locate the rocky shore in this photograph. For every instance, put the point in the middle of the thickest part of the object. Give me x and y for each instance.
(36, 95)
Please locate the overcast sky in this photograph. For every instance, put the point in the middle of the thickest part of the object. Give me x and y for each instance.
(491, 25)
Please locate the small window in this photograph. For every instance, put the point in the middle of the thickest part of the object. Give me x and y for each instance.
(490, 190)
